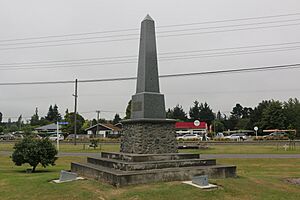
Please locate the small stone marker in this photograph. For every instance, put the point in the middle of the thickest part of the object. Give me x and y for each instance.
(201, 182)
(66, 176)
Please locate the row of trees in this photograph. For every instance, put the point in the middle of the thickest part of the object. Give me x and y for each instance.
(268, 114)
(53, 115)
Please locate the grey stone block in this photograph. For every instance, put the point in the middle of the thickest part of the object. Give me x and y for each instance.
(67, 176)
(200, 180)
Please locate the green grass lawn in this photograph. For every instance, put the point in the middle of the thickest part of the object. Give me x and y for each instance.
(257, 179)
(213, 149)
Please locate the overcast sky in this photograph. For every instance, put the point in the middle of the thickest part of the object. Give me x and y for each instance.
(40, 18)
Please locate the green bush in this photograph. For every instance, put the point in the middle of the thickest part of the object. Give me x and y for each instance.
(34, 151)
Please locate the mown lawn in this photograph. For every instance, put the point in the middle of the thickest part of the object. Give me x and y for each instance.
(257, 179)
(212, 149)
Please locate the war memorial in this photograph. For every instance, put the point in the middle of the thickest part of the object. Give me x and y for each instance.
(148, 149)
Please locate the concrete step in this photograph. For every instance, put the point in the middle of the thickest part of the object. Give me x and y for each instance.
(148, 157)
(129, 166)
(122, 178)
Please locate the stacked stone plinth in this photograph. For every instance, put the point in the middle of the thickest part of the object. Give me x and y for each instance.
(148, 137)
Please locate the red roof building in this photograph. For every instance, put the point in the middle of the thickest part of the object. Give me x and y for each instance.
(190, 127)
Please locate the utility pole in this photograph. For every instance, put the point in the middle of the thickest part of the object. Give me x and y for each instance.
(75, 113)
(98, 115)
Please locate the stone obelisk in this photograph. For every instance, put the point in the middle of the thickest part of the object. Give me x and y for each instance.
(148, 130)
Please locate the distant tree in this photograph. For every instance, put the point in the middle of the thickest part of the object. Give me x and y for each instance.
(218, 126)
(243, 124)
(87, 123)
(292, 112)
(43, 121)
(237, 111)
(257, 113)
(19, 122)
(57, 116)
(11, 128)
(273, 116)
(50, 114)
(1, 129)
(27, 130)
(67, 111)
(206, 114)
(195, 111)
(70, 118)
(219, 116)
(94, 122)
(35, 118)
(116, 119)
(34, 152)
(128, 110)
(53, 115)
(246, 112)
(0, 117)
(177, 113)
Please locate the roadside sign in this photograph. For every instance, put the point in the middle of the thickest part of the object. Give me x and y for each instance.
(63, 123)
(197, 123)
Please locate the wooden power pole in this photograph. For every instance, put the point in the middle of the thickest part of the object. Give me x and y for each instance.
(75, 112)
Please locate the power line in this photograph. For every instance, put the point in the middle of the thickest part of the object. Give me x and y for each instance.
(164, 26)
(159, 36)
(161, 59)
(159, 32)
(229, 71)
(68, 61)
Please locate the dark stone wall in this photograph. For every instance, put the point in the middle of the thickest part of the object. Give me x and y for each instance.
(148, 137)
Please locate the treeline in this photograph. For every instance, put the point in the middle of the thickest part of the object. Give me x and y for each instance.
(53, 116)
(268, 114)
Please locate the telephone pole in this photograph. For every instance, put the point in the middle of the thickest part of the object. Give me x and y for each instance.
(98, 115)
(75, 112)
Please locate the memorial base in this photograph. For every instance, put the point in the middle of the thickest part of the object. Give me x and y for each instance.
(122, 169)
(148, 136)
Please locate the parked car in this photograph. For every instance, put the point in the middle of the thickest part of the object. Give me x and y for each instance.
(219, 135)
(236, 136)
(7, 136)
(276, 135)
(189, 137)
(53, 137)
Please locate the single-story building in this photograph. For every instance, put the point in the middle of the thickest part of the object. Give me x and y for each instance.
(191, 128)
(47, 129)
(104, 130)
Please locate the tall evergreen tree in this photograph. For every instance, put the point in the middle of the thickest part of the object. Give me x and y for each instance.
(35, 118)
(57, 116)
(195, 111)
(0, 117)
(177, 113)
(128, 110)
(53, 115)
(273, 116)
(116, 119)
(237, 111)
(206, 114)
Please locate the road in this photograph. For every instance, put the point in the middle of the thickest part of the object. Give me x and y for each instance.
(206, 156)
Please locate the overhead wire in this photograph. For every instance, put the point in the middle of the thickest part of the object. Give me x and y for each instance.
(161, 59)
(158, 27)
(159, 32)
(68, 61)
(227, 71)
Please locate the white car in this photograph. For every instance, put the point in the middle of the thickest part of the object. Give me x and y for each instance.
(189, 137)
(236, 136)
(53, 137)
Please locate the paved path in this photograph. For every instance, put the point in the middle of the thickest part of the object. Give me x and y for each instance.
(63, 154)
